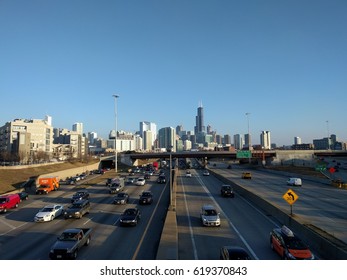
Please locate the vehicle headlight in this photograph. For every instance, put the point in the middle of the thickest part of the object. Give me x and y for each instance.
(65, 213)
(77, 213)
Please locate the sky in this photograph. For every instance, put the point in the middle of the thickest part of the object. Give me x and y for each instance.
(283, 62)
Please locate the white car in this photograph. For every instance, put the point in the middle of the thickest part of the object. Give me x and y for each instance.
(188, 174)
(48, 213)
(206, 173)
(140, 181)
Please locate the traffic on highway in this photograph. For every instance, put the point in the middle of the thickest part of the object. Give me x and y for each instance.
(214, 220)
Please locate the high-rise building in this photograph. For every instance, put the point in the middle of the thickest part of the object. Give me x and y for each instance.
(167, 138)
(238, 141)
(199, 128)
(148, 126)
(27, 138)
(227, 139)
(92, 136)
(265, 140)
(297, 140)
(78, 127)
(248, 141)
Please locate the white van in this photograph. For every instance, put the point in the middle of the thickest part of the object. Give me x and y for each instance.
(294, 182)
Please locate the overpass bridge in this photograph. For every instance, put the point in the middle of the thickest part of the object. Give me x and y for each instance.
(267, 156)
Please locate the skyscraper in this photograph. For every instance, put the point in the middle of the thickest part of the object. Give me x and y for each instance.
(265, 140)
(78, 127)
(148, 126)
(199, 128)
(199, 120)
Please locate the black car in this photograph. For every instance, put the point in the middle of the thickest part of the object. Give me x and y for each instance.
(23, 196)
(77, 209)
(121, 198)
(147, 176)
(130, 217)
(161, 179)
(146, 198)
(80, 195)
(227, 191)
(233, 253)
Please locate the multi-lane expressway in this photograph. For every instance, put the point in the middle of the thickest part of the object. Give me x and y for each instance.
(242, 223)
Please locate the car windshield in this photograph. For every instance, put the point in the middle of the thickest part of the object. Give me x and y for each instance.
(47, 209)
(68, 236)
(294, 243)
(76, 206)
(146, 194)
(130, 212)
(210, 212)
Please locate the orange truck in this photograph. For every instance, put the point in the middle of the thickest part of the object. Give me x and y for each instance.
(47, 184)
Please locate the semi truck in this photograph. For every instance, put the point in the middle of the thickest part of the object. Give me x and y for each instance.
(47, 184)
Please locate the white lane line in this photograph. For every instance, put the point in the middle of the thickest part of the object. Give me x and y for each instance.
(189, 222)
(229, 221)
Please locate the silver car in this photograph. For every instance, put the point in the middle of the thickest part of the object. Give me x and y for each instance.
(209, 216)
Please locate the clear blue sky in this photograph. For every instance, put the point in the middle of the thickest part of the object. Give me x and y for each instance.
(284, 62)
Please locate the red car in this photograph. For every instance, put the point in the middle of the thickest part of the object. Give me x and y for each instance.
(288, 245)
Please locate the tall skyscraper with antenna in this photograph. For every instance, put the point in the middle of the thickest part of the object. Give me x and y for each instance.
(199, 128)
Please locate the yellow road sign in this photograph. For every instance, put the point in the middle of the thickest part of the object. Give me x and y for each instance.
(290, 196)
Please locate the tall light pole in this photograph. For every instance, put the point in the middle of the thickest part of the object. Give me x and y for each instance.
(115, 136)
(249, 137)
(328, 134)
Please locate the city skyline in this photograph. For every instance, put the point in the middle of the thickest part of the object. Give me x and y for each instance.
(284, 63)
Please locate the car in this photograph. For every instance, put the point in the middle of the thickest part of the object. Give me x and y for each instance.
(147, 176)
(206, 173)
(288, 245)
(188, 174)
(294, 182)
(227, 191)
(130, 180)
(233, 253)
(48, 213)
(146, 197)
(9, 201)
(209, 216)
(140, 181)
(161, 179)
(23, 195)
(78, 209)
(80, 195)
(246, 175)
(130, 217)
(121, 198)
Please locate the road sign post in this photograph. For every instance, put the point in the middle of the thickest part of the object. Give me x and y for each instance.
(290, 196)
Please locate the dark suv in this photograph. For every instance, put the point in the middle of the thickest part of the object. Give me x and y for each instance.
(80, 195)
(146, 197)
(77, 209)
(227, 191)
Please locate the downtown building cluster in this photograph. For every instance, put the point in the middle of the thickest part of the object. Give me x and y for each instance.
(35, 140)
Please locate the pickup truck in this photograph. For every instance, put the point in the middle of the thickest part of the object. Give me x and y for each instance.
(69, 243)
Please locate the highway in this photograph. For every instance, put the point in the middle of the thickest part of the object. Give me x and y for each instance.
(318, 203)
(23, 239)
(242, 223)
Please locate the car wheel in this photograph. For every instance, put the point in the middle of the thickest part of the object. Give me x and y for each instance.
(52, 218)
(16, 205)
(87, 242)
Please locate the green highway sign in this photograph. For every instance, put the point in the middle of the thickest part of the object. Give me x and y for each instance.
(243, 154)
(321, 167)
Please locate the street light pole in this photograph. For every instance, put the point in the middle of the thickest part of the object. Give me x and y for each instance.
(115, 136)
(249, 138)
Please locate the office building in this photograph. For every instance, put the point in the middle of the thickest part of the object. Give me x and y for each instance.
(78, 127)
(167, 138)
(265, 140)
(148, 126)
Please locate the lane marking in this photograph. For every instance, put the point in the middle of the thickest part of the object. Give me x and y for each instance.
(229, 221)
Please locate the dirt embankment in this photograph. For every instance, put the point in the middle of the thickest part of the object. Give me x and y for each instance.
(308, 171)
(12, 179)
